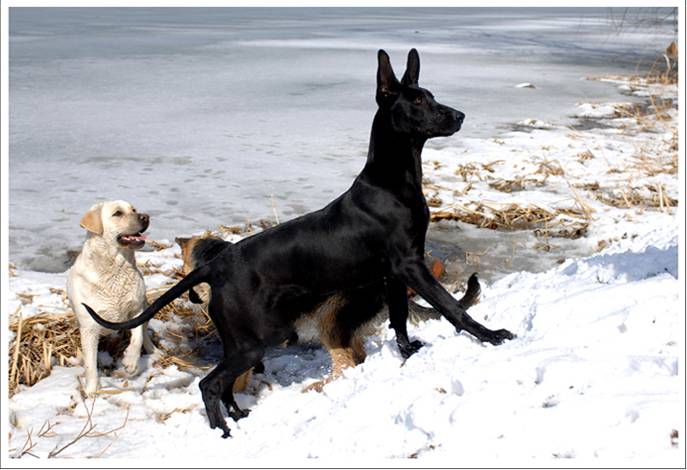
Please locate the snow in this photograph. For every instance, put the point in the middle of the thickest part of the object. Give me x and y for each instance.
(594, 377)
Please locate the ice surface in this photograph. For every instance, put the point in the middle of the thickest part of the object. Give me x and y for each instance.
(204, 117)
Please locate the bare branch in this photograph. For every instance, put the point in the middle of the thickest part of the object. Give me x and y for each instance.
(27, 447)
(87, 428)
(88, 431)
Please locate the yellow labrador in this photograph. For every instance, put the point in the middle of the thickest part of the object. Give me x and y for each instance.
(105, 275)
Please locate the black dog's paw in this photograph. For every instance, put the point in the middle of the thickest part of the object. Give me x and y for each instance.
(408, 349)
(237, 414)
(217, 422)
(499, 336)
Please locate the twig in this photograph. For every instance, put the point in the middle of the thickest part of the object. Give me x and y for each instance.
(27, 447)
(111, 431)
(100, 454)
(87, 427)
(46, 430)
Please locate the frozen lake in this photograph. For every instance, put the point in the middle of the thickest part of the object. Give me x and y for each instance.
(204, 117)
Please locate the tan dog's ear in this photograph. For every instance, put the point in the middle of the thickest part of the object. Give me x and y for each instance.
(92, 220)
(182, 241)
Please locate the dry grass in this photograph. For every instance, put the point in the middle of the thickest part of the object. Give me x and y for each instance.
(519, 183)
(584, 156)
(246, 229)
(595, 186)
(550, 168)
(434, 201)
(652, 165)
(649, 197)
(568, 223)
(48, 339)
(157, 246)
(40, 341)
(469, 171)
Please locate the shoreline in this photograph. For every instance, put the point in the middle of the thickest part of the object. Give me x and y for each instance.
(511, 185)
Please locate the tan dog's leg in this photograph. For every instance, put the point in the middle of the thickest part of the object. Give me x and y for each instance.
(359, 353)
(242, 381)
(89, 347)
(344, 352)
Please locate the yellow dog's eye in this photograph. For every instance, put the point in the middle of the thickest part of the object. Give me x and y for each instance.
(117, 214)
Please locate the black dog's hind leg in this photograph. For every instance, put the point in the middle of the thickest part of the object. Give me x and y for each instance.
(219, 384)
(211, 389)
(397, 299)
(416, 274)
(233, 409)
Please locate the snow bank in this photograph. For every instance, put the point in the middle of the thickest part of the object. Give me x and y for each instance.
(592, 375)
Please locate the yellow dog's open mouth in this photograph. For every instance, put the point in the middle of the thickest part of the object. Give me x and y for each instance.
(135, 240)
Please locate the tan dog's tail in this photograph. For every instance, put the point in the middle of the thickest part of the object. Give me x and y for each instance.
(195, 277)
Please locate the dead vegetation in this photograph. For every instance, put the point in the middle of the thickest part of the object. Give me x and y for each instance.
(550, 168)
(584, 156)
(651, 165)
(469, 171)
(568, 223)
(648, 197)
(520, 183)
(47, 339)
(40, 342)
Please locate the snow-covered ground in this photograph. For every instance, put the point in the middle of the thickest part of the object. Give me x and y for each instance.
(594, 377)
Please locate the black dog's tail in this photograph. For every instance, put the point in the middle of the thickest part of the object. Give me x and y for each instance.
(195, 277)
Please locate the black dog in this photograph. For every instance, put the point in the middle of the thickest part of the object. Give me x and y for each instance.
(365, 247)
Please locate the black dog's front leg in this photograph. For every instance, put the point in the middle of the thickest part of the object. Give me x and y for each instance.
(417, 276)
(397, 299)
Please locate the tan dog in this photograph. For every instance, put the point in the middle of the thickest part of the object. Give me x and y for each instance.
(105, 274)
(315, 326)
(319, 325)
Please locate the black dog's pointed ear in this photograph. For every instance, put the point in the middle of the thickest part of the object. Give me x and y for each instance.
(386, 79)
(412, 68)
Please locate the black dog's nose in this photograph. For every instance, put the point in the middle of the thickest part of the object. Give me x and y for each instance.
(460, 117)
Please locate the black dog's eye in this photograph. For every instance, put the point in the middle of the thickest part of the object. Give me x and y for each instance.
(117, 214)
(418, 100)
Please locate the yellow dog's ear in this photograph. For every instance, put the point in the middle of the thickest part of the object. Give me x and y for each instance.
(92, 220)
